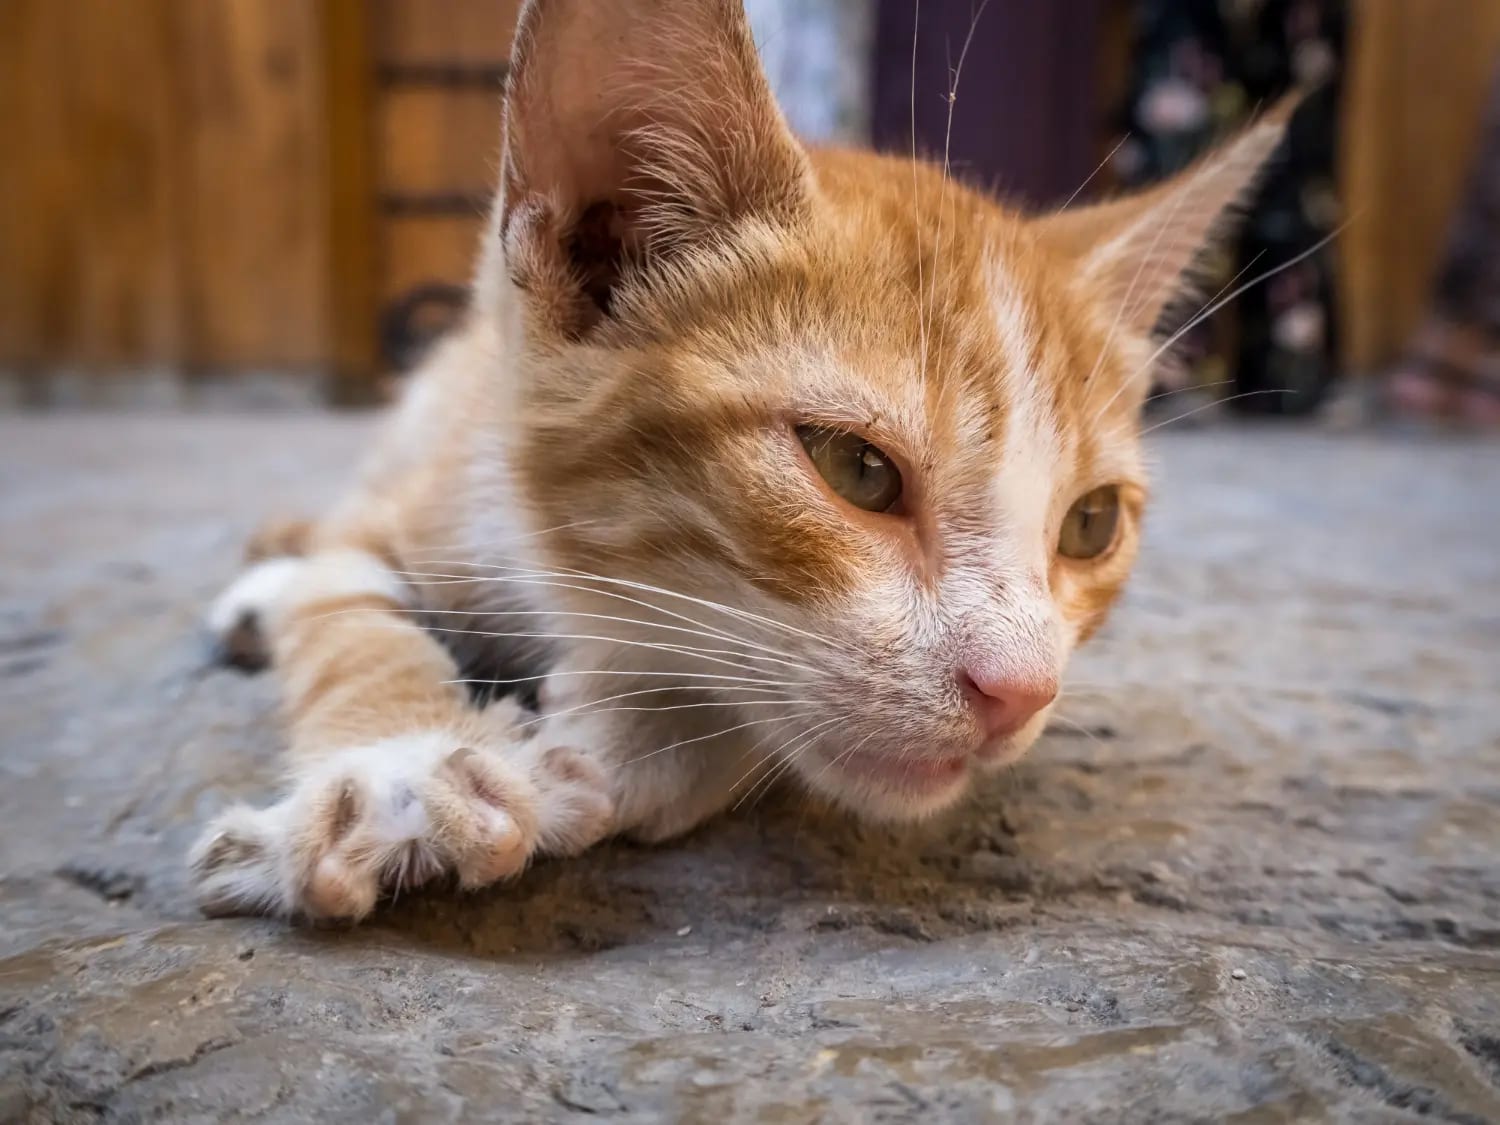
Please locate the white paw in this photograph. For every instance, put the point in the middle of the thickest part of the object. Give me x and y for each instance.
(236, 617)
(239, 618)
(373, 821)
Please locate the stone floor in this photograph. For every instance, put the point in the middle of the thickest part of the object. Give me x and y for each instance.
(1253, 877)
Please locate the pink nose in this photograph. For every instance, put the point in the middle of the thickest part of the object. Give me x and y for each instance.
(1002, 704)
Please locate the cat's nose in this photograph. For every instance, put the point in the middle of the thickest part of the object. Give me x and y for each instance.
(1003, 703)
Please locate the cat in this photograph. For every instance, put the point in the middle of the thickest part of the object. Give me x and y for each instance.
(776, 462)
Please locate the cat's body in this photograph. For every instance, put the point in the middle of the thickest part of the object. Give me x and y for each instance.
(771, 462)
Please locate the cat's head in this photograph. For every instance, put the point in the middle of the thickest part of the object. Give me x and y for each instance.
(889, 423)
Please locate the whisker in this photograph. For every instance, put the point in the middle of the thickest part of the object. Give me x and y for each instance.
(947, 196)
(1125, 303)
(690, 706)
(584, 708)
(832, 763)
(719, 734)
(563, 571)
(1190, 387)
(676, 650)
(916, 21)
(741, 614)
(775, 757)
(791, 756)
(1097, 169)
(1216, 402)
(659, 689)
(455, 580)
(417, 554)
(1079, 727)
(621, 672)
(622, 620)
(1215, 306)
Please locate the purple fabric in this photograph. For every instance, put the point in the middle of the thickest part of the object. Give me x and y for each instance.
(1025, 122)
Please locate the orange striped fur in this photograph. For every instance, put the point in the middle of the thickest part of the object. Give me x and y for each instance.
(598, 484)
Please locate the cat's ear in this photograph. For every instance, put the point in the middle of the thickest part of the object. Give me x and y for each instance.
(633, 129)
(1138, 253)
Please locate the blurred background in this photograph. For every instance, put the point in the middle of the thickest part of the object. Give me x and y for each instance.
(272, 201)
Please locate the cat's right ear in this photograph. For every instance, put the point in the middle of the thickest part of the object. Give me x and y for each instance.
(1137, 254)
(634, 129)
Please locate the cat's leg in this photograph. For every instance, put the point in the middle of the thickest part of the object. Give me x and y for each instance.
(395, 777)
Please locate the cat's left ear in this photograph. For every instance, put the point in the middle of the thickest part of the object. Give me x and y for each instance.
(634, 130)
(1137, 253)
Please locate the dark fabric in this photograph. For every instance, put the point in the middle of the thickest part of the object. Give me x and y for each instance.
(1201, 69)
(1025, 121)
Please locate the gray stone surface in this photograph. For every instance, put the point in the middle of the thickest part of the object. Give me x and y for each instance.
(1253, 877)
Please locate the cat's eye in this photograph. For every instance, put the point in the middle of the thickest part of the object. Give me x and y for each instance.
(855, 469)
(1090, 527)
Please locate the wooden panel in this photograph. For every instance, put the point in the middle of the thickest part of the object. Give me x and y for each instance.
(36, 264)
(439, 125)
(87, 271)
(193, 182)
(1418, 80)
(353, 226)
(164, 195)
(422, 249)
(435, 140)
(445, 31)
(254, 247)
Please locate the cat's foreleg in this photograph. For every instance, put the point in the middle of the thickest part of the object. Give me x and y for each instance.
(395, 777)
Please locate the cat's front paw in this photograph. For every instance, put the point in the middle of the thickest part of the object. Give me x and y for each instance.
(235, 620)
(241, 619)
(369, 822)
(373, 821)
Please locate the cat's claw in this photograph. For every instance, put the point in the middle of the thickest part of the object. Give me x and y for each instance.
(376, 820)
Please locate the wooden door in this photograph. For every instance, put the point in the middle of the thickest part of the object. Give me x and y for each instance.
(217, 186)
(439, 75)
(160, 196)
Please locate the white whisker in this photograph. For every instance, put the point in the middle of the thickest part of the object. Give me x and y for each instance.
(719, 734)
(1215, 306)
(543, 635)
(584, 708)
(622, 672)
(528, 574)
(1097, 169)
(789, 759)
(775, 757)
(621, 620)
(1214, 403)
(1125, 303)
(716, 688)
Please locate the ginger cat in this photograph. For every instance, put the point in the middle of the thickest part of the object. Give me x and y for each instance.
(754, 461)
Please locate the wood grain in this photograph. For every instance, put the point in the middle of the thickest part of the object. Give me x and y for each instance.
(352, 223)
(161, 202)
(1419, 76)
(439, 140)
(255, 258)
(422, 249)
(450, 31)
(87, 197)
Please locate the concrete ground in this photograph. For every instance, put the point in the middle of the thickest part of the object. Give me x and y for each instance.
(1254, 876)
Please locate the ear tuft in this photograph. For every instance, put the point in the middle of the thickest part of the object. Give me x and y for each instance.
(1140, 251)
